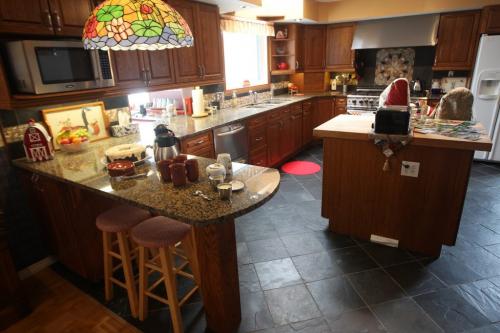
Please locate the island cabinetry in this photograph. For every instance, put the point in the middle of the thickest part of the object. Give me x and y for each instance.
(360, 199)
(201, 145)
(66, 212)
(457, 39)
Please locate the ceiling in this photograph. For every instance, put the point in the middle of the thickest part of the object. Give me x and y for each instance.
(226, 6)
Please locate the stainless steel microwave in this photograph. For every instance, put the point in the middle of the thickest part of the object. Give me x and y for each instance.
(41, 67)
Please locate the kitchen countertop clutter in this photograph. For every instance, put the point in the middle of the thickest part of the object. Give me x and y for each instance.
(87, 170)
(184, 126)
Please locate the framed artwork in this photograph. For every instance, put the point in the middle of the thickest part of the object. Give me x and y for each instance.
(394, 64)
(90, 116)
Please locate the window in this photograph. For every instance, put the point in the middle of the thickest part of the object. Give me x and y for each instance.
(245, 57)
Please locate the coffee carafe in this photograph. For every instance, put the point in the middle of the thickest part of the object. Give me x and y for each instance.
(166, 144)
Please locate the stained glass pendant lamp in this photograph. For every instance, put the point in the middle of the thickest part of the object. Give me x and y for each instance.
(136, 25)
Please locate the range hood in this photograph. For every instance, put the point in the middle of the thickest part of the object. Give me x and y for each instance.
(406, 31)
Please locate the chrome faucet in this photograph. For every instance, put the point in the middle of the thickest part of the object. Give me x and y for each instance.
(254, 96)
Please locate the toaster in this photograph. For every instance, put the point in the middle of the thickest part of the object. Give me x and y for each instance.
(392, 122)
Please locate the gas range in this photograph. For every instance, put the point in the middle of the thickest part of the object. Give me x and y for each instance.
(364, 100)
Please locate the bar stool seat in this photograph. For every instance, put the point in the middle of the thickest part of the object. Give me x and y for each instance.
(159, 232)
(115, 225)
(121, 218)
(166, 247)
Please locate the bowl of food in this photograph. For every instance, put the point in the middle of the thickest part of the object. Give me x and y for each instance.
(73, 139)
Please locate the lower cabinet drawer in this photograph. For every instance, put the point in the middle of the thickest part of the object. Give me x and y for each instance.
(207, 152)
(259, 156)
(197, 142)
(257, 137)
(341, 101)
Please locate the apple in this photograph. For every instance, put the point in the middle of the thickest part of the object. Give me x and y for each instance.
(77, 141)
(65, 141)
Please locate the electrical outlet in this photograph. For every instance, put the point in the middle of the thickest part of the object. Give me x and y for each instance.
(410, 169)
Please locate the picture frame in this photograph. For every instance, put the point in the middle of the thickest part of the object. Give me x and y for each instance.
(89, 115)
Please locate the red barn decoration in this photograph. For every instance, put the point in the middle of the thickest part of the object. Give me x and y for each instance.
(37, 145)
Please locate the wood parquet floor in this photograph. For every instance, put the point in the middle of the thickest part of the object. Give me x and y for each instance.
(59, 307)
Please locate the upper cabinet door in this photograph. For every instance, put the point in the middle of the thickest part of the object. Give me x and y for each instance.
(69, 16)
(490, 20)
(159, 67)
(25, 17)
(188, 64)
(339, 55)
(209, 35)
(457, 39)
(314, 48)
(129, 69)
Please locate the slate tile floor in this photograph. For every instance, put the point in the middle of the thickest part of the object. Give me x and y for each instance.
(295, 276)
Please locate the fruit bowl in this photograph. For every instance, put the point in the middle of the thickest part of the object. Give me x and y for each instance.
(74, 147)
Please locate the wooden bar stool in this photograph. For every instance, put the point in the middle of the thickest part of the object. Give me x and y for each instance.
(116, 223)
(171, 239)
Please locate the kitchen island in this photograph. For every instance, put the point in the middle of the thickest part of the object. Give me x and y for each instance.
(362, 200)
(70, 191)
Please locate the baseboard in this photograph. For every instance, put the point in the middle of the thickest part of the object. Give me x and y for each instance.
(36, 267)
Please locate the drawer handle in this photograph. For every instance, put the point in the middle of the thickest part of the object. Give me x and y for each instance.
(200, 142)
(259, 138)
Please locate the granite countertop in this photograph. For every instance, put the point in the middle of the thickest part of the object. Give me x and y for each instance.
(86, 170)
(185, 126)
(359, 127)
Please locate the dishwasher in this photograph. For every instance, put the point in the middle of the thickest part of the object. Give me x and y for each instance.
(232, 139)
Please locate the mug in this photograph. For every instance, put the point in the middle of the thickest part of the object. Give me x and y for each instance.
(178, 173)
(164, 168)
(192, 170)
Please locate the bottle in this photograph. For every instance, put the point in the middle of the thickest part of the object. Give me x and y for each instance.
(234, 102)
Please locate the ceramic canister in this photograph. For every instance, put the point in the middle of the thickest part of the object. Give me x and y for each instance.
(216, 170)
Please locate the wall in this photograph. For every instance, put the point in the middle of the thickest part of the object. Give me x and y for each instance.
(356, 10)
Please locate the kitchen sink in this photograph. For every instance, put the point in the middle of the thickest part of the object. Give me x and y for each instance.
(256, 106)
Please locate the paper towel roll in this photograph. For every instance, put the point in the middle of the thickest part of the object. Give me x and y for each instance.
(198, 101)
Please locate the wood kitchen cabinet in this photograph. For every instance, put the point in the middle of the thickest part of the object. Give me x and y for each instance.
(314, 48)
(44, 17)
(490, 20)
(324, 111)
(274, 133)
(257, 140)
(340, 106)
(339, 55)
(287, 145)
(296, 127)
(204, 62)
(139, 69)
(457, 40)
(65, 222)
(307, 122)
(201, 145)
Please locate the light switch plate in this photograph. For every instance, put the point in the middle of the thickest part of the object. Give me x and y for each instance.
(410, 169)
